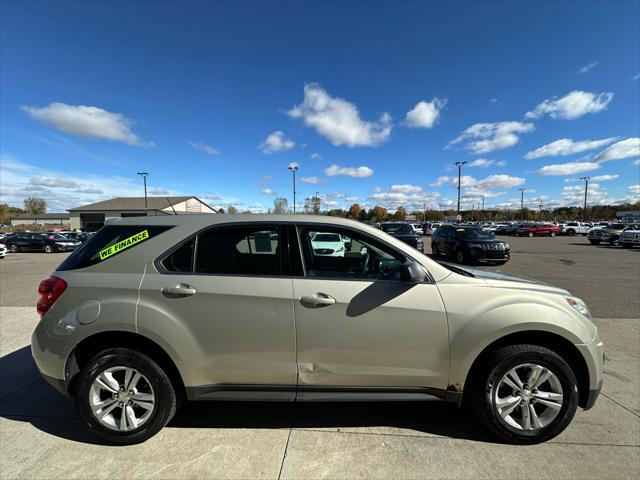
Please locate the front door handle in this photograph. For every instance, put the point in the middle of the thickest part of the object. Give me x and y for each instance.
(178, 291)
(318, 300)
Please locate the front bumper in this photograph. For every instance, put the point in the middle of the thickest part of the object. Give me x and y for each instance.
(593, 354)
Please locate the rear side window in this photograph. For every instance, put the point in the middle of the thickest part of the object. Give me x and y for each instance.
(111, 240)
(253, 250)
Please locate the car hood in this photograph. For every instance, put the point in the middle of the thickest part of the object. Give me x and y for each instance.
(501, 280)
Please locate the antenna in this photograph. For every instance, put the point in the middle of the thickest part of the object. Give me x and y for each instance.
(174, 210)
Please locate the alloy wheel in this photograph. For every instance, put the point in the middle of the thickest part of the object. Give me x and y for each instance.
(528, 397)
(121, 398)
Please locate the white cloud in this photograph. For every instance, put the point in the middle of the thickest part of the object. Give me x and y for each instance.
(441, 181)
(96, 191)
(425, 114)
(489, 183)
(405, 188)
(86, 121)
(492, 136)
(311, 180)
(637, 163)
(634, 189)
(569, 168)
(339, 120)
(53, 182)
(203, 147)
(158, 191)
(566, 146)
(501, 163)
(627, 148)
(588, 67)
(268, 191)
(359, 172)
(636, 76)
(481, 162)
(573, 105)
(276, 142)
(604, 178)
(315, 156)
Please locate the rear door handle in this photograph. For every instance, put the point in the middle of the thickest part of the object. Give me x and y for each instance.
(318, 300)
(178, 291)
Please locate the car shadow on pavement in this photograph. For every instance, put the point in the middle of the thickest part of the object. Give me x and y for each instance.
(28, 398)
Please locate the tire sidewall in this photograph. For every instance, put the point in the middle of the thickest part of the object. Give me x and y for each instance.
(48, 249)
(165, 398)
(569, 387)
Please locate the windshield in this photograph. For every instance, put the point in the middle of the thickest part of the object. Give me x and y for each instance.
(615, 226)
(396, 228)
(474, 234)
(327, 237)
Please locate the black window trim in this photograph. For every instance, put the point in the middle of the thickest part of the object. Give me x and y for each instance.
(163, 271)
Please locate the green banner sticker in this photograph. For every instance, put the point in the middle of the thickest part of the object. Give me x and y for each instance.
(124, 244)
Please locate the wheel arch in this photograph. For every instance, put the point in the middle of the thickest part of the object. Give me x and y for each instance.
(553, 341)
(93, 344)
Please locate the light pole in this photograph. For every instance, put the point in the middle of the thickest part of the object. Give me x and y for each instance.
(540, 211)
(294, 167)
(459, 165)
(521, 203)
(144, 176)
(586, 188)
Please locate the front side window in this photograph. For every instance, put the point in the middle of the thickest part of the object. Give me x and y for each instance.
(332, 252)
(253, 250)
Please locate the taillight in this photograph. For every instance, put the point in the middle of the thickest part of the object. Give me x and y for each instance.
(50, 290)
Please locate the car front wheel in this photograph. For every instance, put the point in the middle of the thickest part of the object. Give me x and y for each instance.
(123, 397)
(14, 248)
(525, 394)
(48, 249)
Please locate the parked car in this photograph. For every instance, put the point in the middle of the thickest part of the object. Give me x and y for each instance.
(575, 228)
(403, 232)
(513, 228)
(599, 235)
(630, 238)
(3, 251)
(501, 229)
(80, 236)
(40, 242)
(538, 229)
(152, 309)
(417, 228)
(469, 245)
(614, 236)
(331, 244)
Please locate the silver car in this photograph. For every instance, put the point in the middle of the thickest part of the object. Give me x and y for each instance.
(152, 310)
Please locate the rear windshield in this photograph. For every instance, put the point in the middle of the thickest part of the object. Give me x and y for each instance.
(108, 242)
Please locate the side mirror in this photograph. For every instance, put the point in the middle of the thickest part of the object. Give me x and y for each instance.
(412, 272)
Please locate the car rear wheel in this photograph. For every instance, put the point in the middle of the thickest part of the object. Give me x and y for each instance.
(571, 232)
(461, 257)
(525, 394)
(530, 234)
(552, 234)
(124, 397)
(48, 249)
(14, 248)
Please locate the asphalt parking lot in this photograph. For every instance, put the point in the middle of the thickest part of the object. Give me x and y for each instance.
(40, 436)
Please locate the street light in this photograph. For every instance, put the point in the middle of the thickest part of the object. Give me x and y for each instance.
(459, 165)
(144, 176)
(586, 188)
(521, 203)
(294, 167)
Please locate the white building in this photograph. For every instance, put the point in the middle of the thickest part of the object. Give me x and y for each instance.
(94, 215)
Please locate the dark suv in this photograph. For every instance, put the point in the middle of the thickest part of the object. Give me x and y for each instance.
(40, 242)
(469, 244)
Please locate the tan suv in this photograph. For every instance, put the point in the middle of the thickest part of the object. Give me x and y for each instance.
(223, 307)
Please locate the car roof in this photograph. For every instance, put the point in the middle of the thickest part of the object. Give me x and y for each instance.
(205, 219)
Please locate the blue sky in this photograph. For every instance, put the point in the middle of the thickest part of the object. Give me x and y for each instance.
(375, 101)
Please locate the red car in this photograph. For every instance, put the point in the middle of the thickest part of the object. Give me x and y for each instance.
(541, 229)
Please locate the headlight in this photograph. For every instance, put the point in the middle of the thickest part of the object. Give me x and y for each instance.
(507, 246)
(579, 307)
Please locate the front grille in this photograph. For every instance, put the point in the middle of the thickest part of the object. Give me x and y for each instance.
(493, 246)
(323, 251)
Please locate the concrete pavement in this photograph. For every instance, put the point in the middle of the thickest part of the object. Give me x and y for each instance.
(41, 437)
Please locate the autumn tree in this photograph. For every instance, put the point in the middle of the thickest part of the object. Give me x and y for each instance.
(354, 211)
(378, 214)
(400, 214)
(35, 205)
(232, 209)
(7, 213)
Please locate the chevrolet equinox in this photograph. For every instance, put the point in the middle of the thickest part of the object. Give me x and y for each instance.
(152, 310)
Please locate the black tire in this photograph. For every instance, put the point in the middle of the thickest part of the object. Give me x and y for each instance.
(14, 248)
(495, 366)
(48, 249)
(461, 258)
(571, 232)
(165, 396)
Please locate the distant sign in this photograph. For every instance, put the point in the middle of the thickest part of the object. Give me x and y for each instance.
(194, 206)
